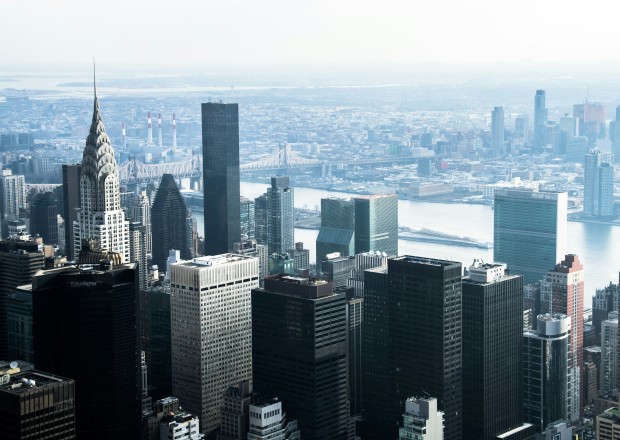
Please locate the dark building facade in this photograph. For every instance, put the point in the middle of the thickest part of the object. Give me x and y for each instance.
(418, 351)
(71, 201)
(376, 224)
(169, 223)
(36, 405)
(19, 261)
(220, 152)
(44, 217)
(85, 327)
(492, 352)
(155, 335)
(299, 336)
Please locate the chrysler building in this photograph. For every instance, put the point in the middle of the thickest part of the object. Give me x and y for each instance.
(101, 220)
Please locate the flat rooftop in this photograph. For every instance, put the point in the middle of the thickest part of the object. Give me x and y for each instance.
(25, 381)
(425, 260)
(214, 260)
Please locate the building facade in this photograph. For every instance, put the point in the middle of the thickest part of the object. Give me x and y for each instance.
(497, 131)
(598, 185)
(281, 215)
(492, 352)
(211, 330)
(300, 352)
(337, 233)
(220, 152)
(85, 326)
(376, 224)
(546, 372)
(421, 420)
(530, 231)
(100, 216)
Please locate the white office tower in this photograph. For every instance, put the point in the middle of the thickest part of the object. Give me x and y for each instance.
(100, 216)
(609, 358)
(363, 262)
(211, 330)
(421, 420)
(268, 421)
(12, 194)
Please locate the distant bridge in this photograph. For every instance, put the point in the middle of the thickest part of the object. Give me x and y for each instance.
(134, 171)
(283, 158)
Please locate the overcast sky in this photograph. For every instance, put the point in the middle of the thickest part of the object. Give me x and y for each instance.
(305, 32)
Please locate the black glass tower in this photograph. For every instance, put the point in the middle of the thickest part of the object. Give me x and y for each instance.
(169, 223)
(376, 224)
(85, 327)
(220, 153)
(492, 352)
(44, 217)
(299, 338)
(417, 310)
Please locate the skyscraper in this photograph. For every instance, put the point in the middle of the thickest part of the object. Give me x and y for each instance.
(497, 131)
(220, 153)
(281, 215)
(12, 194)
(614, 134)
(261, 216)
(540, 120)
(608, 380)
(337, 233)
(85, 324)
(300, 256)
(100, 216)
(169, 222)
(211, 327)
(376, 223)
(299, 335)
(598, 186)
(529, 231)
(268, 420)
(412, 333)
(492, 352)
(247, 218)
(562, 291)
(44, 217)
(546, 393)
(71, 201)
(19, 261)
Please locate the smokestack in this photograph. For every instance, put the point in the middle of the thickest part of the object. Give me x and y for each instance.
(159, 130)
(150, 136)
(124, 137)
(174, 131)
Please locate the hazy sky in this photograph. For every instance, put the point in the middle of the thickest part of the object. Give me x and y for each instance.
(305, 32)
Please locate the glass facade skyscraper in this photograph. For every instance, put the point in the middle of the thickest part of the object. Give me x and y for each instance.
(540, 120)
(281, 216)
(530, 231)
(497, 131)
(598, 186)
(492, 352)
(337, 228)
(376, 223)
(220, 153)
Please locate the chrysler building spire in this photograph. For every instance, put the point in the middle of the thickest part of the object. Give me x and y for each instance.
(100, 217)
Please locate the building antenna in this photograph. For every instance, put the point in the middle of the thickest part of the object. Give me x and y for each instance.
(94, 77)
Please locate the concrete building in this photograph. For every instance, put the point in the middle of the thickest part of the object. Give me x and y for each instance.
(559, 430)
(546, 372)
(300, 256)
(608, 379)
(530, 231)
(235, 413)
(12, 196)
(421, 420)
(211, 330)
(220, 152)
(608, 424)
(180, 426)
(268, 422)
(100, 216)
(36, 405)
(337, 269)
(363, 262)
(251, 248)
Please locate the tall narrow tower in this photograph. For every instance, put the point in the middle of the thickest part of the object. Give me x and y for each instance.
(174, 131)
(150, 128)
(497, 131)
(220, 152)
(124, 137)
(100, 216)
(159, 139)
(540, 120)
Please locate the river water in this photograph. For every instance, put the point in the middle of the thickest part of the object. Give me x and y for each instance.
(598, 245)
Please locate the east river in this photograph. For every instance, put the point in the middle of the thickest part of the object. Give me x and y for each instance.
(598, 245)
